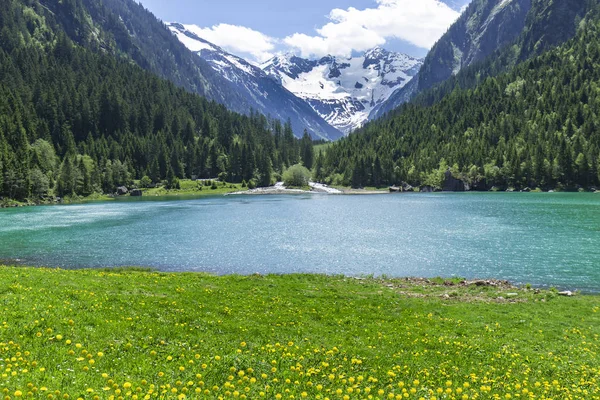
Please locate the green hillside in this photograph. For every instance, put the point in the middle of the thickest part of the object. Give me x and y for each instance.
(535, 126)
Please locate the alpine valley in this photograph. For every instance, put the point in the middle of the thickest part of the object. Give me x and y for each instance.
(249, 230)
(97, 95)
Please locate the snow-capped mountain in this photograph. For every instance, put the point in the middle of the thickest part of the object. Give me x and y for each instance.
(344, 91)
(264, 94)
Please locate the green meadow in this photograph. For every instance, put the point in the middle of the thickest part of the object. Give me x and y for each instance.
(140, 334)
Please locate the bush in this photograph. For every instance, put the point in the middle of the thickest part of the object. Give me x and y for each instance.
(145, 182)
(251, 184)
(173, 184)
(296, 175)
(214, 185)
(244, 184)
(338, 180)
(40, 183)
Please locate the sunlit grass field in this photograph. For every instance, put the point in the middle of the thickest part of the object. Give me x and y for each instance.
(126, 334)
(194, 188)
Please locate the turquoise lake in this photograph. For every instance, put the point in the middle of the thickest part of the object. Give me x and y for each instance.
(546, 239)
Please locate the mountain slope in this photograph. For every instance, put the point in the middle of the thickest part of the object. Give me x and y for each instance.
(344, 91)
(267, 96)
(77, 121)
(490, 37)
(535, 126)
(127, 30)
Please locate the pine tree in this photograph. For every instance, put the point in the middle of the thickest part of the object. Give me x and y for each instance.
(307, 150)
(318, 168)
(265, 170)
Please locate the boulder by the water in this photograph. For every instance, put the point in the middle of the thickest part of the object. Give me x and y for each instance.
(394, 189)
(136, 193)
(122, 190)
(427, 189)
(407, 188)
(526, 190)
(451, 184)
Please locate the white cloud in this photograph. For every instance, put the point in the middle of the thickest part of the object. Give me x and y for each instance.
(420, 22)
(238, 40)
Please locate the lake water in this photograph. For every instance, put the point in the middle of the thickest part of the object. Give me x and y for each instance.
(544, 239)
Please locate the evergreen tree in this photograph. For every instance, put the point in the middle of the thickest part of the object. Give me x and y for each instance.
(307, 150)
(265, 170)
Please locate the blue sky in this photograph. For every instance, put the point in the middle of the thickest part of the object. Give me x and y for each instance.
(311, 28)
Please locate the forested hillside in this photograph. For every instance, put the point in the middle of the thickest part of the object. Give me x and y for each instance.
(535, 126)
(491, 37)
(126, 30)
(75, 121)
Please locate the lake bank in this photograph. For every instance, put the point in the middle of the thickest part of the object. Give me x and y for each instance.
(123, 332)
(197, 189)
(190, 189)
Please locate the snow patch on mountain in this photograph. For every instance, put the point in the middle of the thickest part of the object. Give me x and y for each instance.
(344, 91)
(267, 96)
(192, 42)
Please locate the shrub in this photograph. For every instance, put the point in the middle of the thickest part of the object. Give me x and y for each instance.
(173, 184)
(244, 184)
(145, 182)
(296, 175)
(251, 184)
(214, 185)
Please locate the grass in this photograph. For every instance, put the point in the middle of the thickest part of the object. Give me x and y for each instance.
(92, 197)
(193, 188)
(366, 189)
(135, 334)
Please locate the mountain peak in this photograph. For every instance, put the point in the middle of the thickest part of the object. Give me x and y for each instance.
(376, 52)
(256, 85)
(344, 90)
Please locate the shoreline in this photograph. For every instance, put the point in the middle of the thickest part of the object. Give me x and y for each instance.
(277, 189)
(449, 282)
(229, 191)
